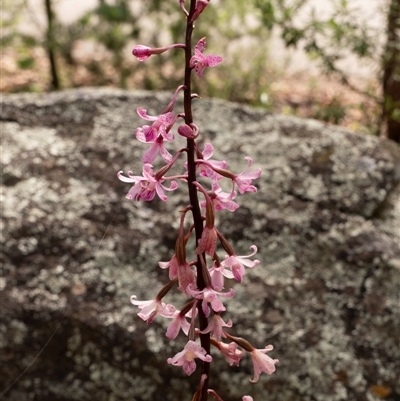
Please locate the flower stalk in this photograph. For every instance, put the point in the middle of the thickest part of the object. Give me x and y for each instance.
(193, 197)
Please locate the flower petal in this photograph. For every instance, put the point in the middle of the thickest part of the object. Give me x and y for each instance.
(213, 60)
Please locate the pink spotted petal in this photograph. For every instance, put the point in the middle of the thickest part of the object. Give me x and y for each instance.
(131, 178)
(201, 45)
(146, 134)
(148, 172)
(165, 154)
(189, 367)
(213, 60)
(166, 118)
(199, 68)
(151, 153)
(208, 150)
(160, 192)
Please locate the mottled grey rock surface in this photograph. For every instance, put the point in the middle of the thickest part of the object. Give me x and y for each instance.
(326, 219)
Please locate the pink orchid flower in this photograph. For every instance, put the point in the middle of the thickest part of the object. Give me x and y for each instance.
(217, 276)
(146, 186)
(205, 164)
(210, 296)
(207, 242)
(185, 276)
(205, 169)
(156, 148)
(199, 61)
(150, 309)
(183, 271)
(186, 357)
(262, 362)
(215, 327)
(221, 200)
(172, 265)
(244, 179)
(230, 352)
(159, 127)
(237, 265)
(178, 322)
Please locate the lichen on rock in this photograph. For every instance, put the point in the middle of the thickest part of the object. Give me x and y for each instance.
(326, 217)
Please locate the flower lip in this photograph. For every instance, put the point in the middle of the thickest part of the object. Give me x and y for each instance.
(186, 357)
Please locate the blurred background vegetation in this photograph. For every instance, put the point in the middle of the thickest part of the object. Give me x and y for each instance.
(95, 49)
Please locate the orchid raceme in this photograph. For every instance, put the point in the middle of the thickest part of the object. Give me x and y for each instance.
(195, 267)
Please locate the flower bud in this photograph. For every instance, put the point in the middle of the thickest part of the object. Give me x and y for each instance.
(200, 6)
(141, 52)
(189, 131)
(186, 131)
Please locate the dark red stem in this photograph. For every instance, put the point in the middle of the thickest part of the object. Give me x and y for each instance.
(194, 201)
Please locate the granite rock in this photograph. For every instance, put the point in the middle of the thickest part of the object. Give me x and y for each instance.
(326, 220)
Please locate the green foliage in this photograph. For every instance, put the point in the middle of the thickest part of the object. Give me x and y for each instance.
(10, 17)
(334, 112)
(327, 39)
(26, 62)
